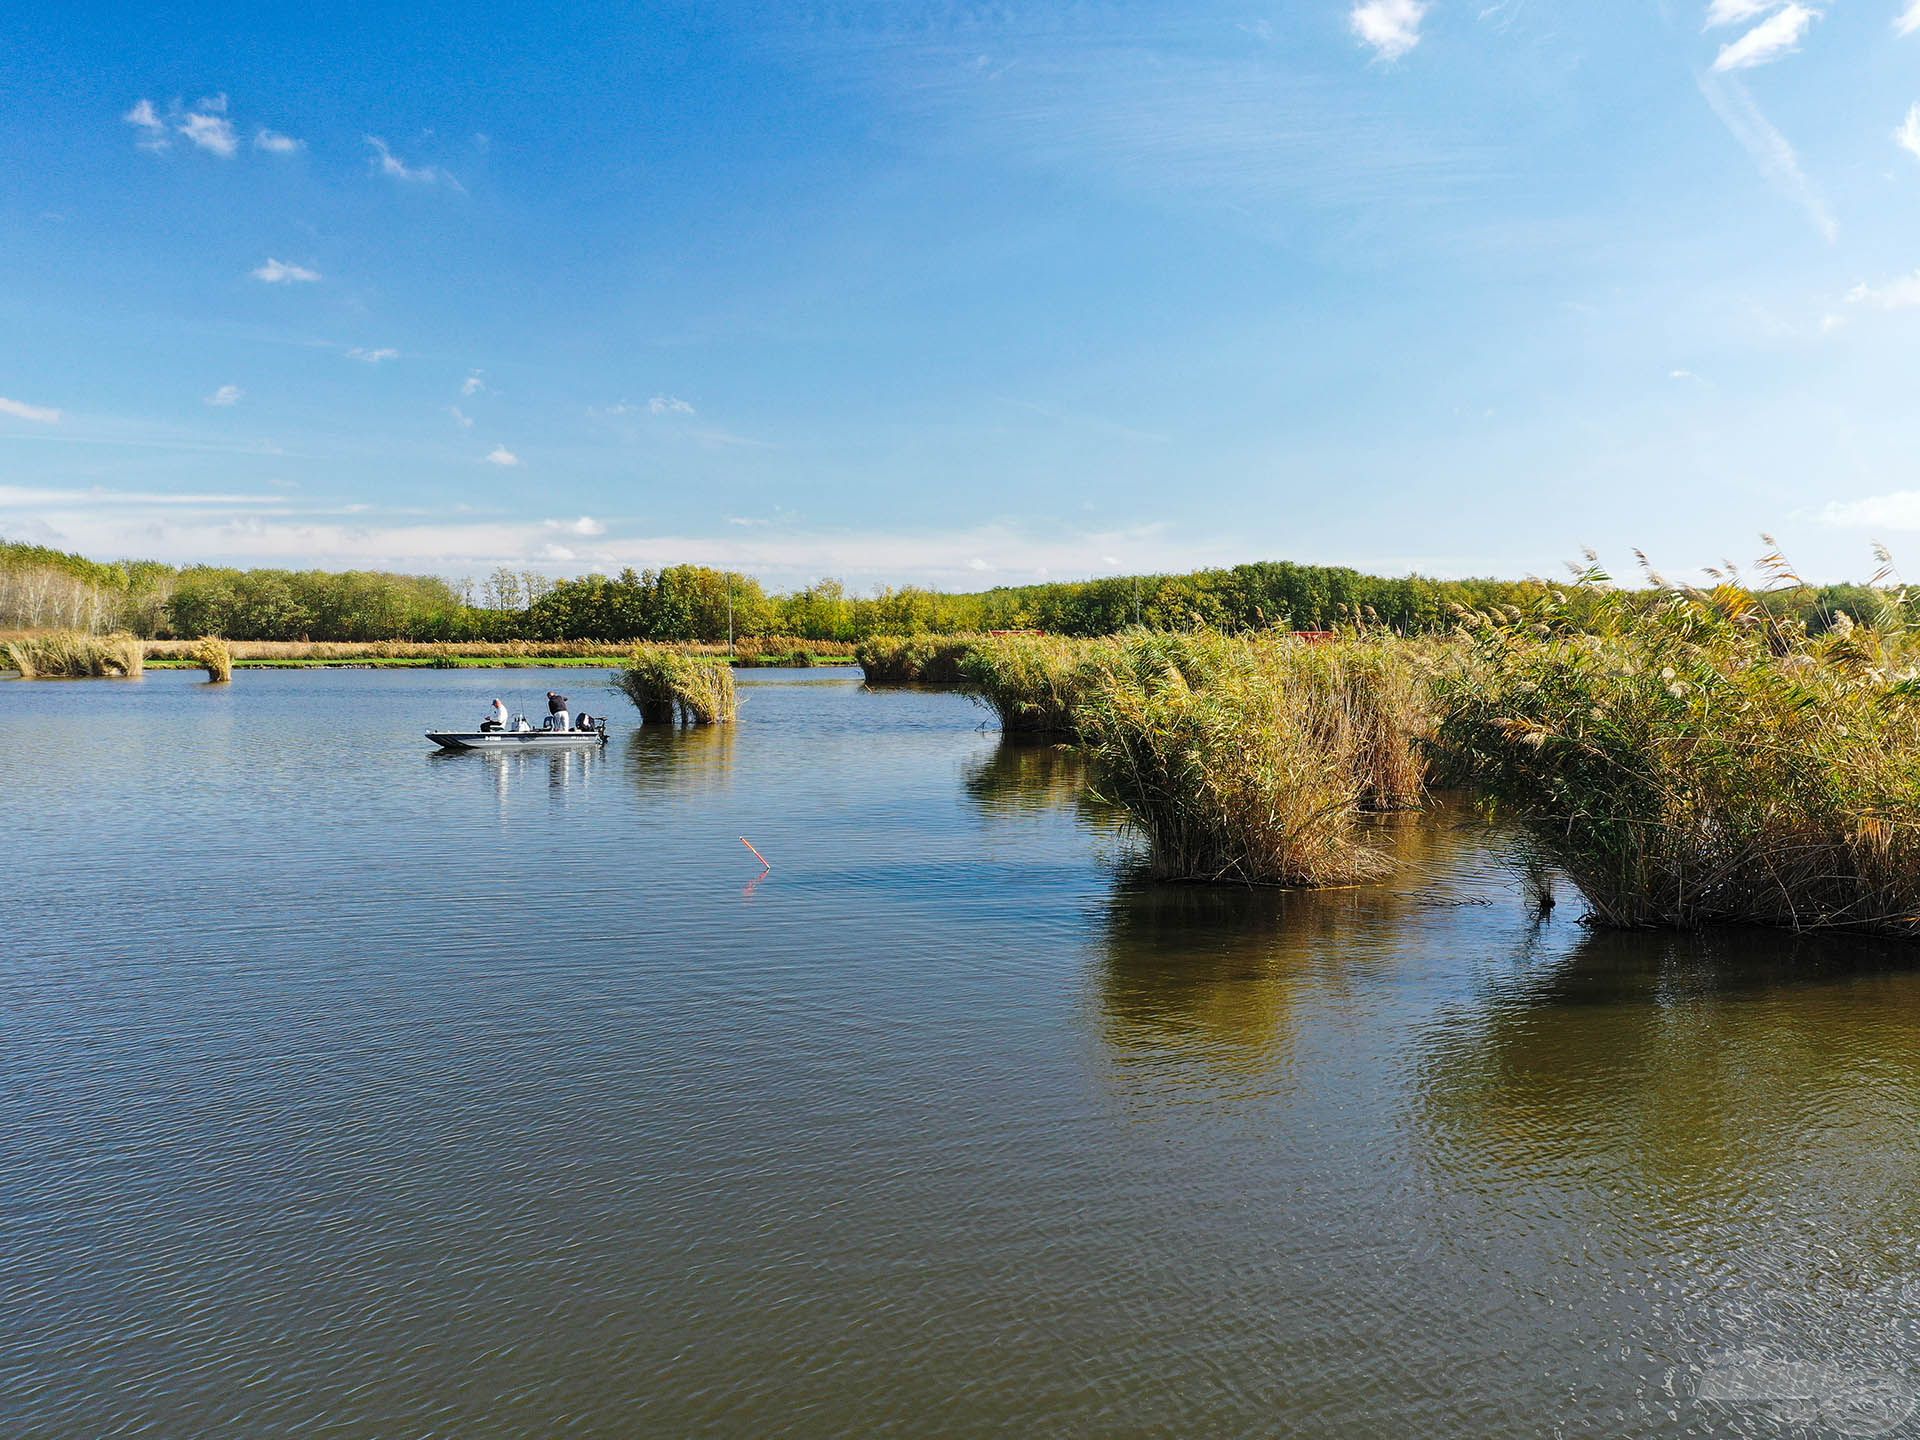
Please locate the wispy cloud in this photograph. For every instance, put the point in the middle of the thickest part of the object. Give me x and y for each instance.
(461, 418)
(1391, 27)
(373, 357)
(585, 525)
(1738, 12)
(279, 272)
(1145, 108)
(387, 163)
(474, 383)
(501, 455)
(669, 405)
(1898, 510)
(226, 395)
(1907, 137)
(1768, 148)
(1779, 34)
(1908, 20)
(274, 143)
(153, 130)
(1900, 294)
(20, 410)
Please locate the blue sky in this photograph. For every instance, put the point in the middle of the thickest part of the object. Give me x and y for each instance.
(963, 295)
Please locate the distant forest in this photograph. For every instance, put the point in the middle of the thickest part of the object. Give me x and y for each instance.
(41, 588)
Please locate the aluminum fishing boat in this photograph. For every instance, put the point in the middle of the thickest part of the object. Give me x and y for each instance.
(592, 730)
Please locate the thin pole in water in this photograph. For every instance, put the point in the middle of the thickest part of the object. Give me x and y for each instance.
(764, 864)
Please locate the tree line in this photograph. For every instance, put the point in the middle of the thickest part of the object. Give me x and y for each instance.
(43, 588)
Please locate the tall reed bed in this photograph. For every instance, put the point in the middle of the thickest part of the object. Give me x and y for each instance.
(72, 655)
(215, 656)
(1219, 751)
(1032, 683)
(666, 685)
(914, 659)
(1242, 759)
(1697, 760)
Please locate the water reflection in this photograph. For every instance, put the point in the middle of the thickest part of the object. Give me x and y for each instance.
(680, 761)
(1197, 981)
(510, 772)
(1024, 776)
(1727, 1120)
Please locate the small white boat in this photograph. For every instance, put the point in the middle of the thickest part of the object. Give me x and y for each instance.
(592, 732)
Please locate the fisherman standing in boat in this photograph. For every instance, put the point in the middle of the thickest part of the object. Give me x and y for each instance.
(557, 715)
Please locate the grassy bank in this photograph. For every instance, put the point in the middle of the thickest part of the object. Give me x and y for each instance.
(424, 654)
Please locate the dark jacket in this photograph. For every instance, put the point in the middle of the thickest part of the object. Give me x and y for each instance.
(557, 703)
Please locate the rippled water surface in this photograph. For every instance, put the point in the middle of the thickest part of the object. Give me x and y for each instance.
(351, 1090)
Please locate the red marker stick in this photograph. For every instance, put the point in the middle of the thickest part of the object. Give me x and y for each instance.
(756, 854)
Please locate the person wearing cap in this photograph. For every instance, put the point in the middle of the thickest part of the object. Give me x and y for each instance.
(557, 711)
(497, 716)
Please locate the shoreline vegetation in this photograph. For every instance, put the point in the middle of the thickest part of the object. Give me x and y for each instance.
(46, 589)
(1681, 756)
(749, 652)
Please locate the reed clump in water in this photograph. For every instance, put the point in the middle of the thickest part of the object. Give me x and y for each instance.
(74, 655)
(215, 656)
(667, 685)
(1236, 758)
(1031, 682)
(1697, 760)
(914, 659)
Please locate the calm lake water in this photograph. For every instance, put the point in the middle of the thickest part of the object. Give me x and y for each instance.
(351, 1090)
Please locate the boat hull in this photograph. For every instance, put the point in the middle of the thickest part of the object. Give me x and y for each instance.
(515, 739)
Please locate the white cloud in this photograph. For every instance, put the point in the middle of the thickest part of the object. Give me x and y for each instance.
(585, 525)
(501, 455)
(1907, 136)
(153, 130)
(20, 410)
(1899, 510)
(215, 103)
(1391, 27)
(373, 357)
(278, 272)
(1769, 149)
(668, 405)
(226, 395)
(1779, 34)
(1900, 294)
(1735, 12)
(274, 143)
(210, 132)
(390, 164)
(1909, 19)
(1681, 375)
(473, 384)
(464, 420)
